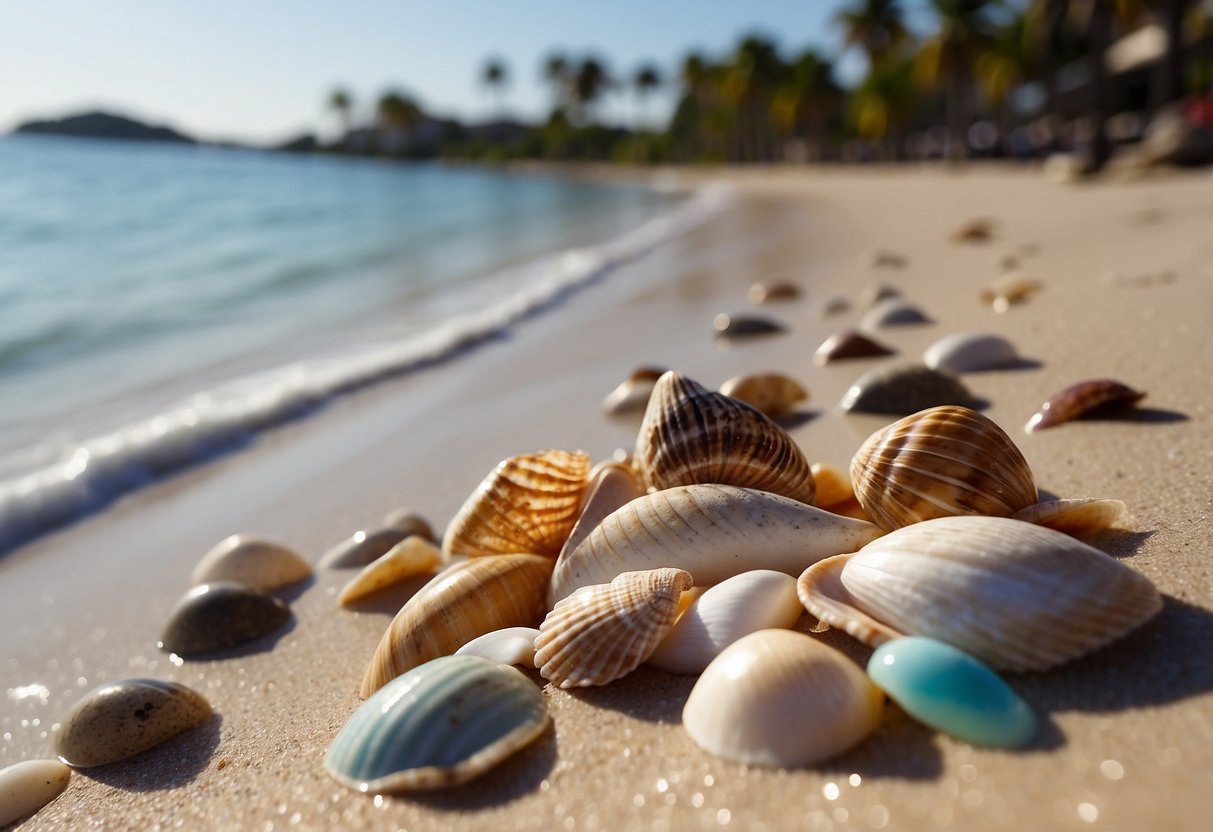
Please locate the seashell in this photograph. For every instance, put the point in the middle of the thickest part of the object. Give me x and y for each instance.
(773, 291)
(467, 600)
(974, 231)
(1015, 595)
(613, 485)
(1084, 515)
(633, 394)
(693, 435)
(880, 258)
(848, 344)
(410, 557)
(833, 486)
(893, 312)
(713, 532)
(122, 719)
(774, 394)
(511, 645)
(1083, 399)
(834, 306)
(602, 633)
(252, 561)
(876, 293)
(441, 724)
(527, 503)
(1005, 292)
(970, 352)
(904, 389)
(27, 786)
(362, 548)
(743, 604)
(779, 698)
(411, 522)
(939, 462)
(745, 326)
(952, 692)
(219, 615)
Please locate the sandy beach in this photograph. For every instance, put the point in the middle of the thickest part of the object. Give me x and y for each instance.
(1127, 733)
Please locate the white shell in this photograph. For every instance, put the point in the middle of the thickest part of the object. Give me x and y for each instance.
(612, 485)
(969, 352)
(27, 786)
(412, 556)
(251, 561)
(513, 645)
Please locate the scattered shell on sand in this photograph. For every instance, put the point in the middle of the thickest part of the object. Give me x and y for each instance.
(893, 312)
(122, 719)
(833, 306)
(878, 293)
(510, 645)
(632, 394)
(441, 724)
(415, 555)
(904, 389)
(773, 291)
(602, 633)
(745, 326)
(772, 393)
(1079, 516)
(779, 698)
(221, 615)
(971, 352)
(1084, 399)
(833, 486)
(883, 258)
(974, 231)
(1015, 595)
(253, 561)
(1007, 291)
(361, 548)
(411, 522)
(848, 344)
(27, 786)
(612, 485)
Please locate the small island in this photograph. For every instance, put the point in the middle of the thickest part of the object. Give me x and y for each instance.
(104, 126)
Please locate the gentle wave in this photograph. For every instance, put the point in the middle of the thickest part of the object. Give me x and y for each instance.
(98, 471)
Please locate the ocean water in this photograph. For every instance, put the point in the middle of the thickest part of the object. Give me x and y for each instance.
(162, 304)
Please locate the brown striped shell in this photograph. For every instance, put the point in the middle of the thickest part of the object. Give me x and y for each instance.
(1083, 398)
(693, 435)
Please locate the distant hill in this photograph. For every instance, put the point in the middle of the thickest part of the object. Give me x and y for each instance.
(103, 126)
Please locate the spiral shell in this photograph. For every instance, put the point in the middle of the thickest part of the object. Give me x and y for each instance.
(1081, 399)
(774, 394)
(980, 230)
(904, 389)
(848, 344)
(252, 561)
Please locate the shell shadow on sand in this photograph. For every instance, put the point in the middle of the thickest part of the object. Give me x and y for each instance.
(645, 694)
(797, 418)
(169, 765)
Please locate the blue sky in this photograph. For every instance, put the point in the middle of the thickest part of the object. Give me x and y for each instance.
(260, 70)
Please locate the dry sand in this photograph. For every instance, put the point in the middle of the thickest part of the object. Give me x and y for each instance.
(1127, 741)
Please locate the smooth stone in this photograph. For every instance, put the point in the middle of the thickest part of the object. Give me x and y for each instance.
(27, 786)
(951, 691)
(219, 615)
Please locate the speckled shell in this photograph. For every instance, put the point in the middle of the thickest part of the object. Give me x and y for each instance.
(361, 548)
(441, 724)
(773, 291)
(27, 786)
(904, 389)
(253, 561)
(602, 633)
(848, 344)
(779, 698)
(1081, 399)
(772, 393)
(412, 556)
(612, 485)
(411, 522)
(221, 615)
(527, 503)
(122, 719)
(713, 532)
(1078, 516)
(693, 435)
(970, 352)
(632, 395)
(745, 326)
(1015, 595)
(939, 462)
(511, 645)
(893, 312)
(467, 600)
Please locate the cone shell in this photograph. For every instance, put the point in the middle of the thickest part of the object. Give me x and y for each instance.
(905, 389)
(713, 532)
(602, 633)
(632, 394)
(772, 393)
(27, 786)
(410, 557)
(1080, 516)
(693, 435)
(467, 600)
(252, 561)
(969, 352)
(893, 312)
(527, 503)
(779, 698)
(1081, 399)
(848, 344)
(612, 486)
(1015, 595)
(940, 462)
(512, 645)
(221, 615)
(361, 548)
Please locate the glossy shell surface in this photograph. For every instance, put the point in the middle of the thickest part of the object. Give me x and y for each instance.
(511, 645)
(253, 561)
(848, 344)
(221, 615)
(415, 555)
(1077, 516)
(632, 394)
(361, 548)
(612, 486)
(27, 786)
(970, 352)
(905, 389)
(772, 393)
(1083, 399)
(893, 312)
(745, 326)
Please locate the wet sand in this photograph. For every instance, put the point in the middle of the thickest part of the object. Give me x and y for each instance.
(1127, 741)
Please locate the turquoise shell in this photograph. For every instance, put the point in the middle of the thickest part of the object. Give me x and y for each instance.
(440, 724)
(952, 692)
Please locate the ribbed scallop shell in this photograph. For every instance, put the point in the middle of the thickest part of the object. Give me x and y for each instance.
(412, 556)
(361, 548)
(939, 462)
(1016, 595)
(848, 344)
(1081, 399)
(252, 561)
(904, 389)
(602, 633)
(221, 615)
(612, 485)
(772, 393)
(467, 600)
(27, 786)
(968, 352)
(511, 645)
(693, 435)
(779, 698)
(528, 503)
(713, 532)
(1077, 516)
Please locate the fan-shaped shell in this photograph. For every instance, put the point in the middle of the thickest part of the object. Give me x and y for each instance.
(905, 389)
(27, 786)
(1082, 399)
(1078, 516)
(693, 435)
(220, 615)
(511, 645)
(412, 556)
(633, 393)
(772, 393)
(893, 312)
(602, 633)
(253, 561)
(1015, 595)
(969, 352)
(772, 291)
(612, 485)
(848, 344)
(939, 462)
(361, 548)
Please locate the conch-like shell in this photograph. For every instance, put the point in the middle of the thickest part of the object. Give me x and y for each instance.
(713, 532)
(602, 633)
(904, 389)
(1078, 516)
(412, 556)
(848, 344)
(693, 435)
(612, 485)
(969, 352)
(526, 504)
(772, 393)
(1083, 398)
(633, 393)
(467, 600)
(252, 561)
(939, 462)
(1016, 595)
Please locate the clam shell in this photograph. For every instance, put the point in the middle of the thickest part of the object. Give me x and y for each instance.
(743, 604)
(632, 394)
(441, 724)
(27, 786)
(693, 435)
(773, 291)
(411, 522)
(772, 393)
(1015, 595)
(220, 615)
(467, 600)
(745, 326)
(713, 532)
(122, 719)
(848, 344)
(1083, 399)
(893, 312)
(779, 698)
(939, 462)
(612, 486)
(512, 645)
(361, 548)
(833, 486)
(1081, 516)
(253, 561)
(412, 556)
(602, 633)
(970, 352)
(527, 503)
(904, 389)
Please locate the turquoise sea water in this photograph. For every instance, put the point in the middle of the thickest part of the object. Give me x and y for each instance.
(159, 303)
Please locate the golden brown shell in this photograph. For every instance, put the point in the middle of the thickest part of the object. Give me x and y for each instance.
(1083, 398)
(773, 393)
(772, 291)
(848, 344)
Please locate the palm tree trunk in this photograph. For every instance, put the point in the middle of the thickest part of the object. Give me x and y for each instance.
(1097, 34)
(1173, 64)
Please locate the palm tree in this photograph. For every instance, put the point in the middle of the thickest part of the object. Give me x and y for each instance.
(495, 75)
(806, 98)
(950, 56)
(1004, 65)
(342, 103)
(555, 72)
(885, 98)
(874, 25)
(646, 81)
(397, 115)
(748, 86)
(588, 84)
